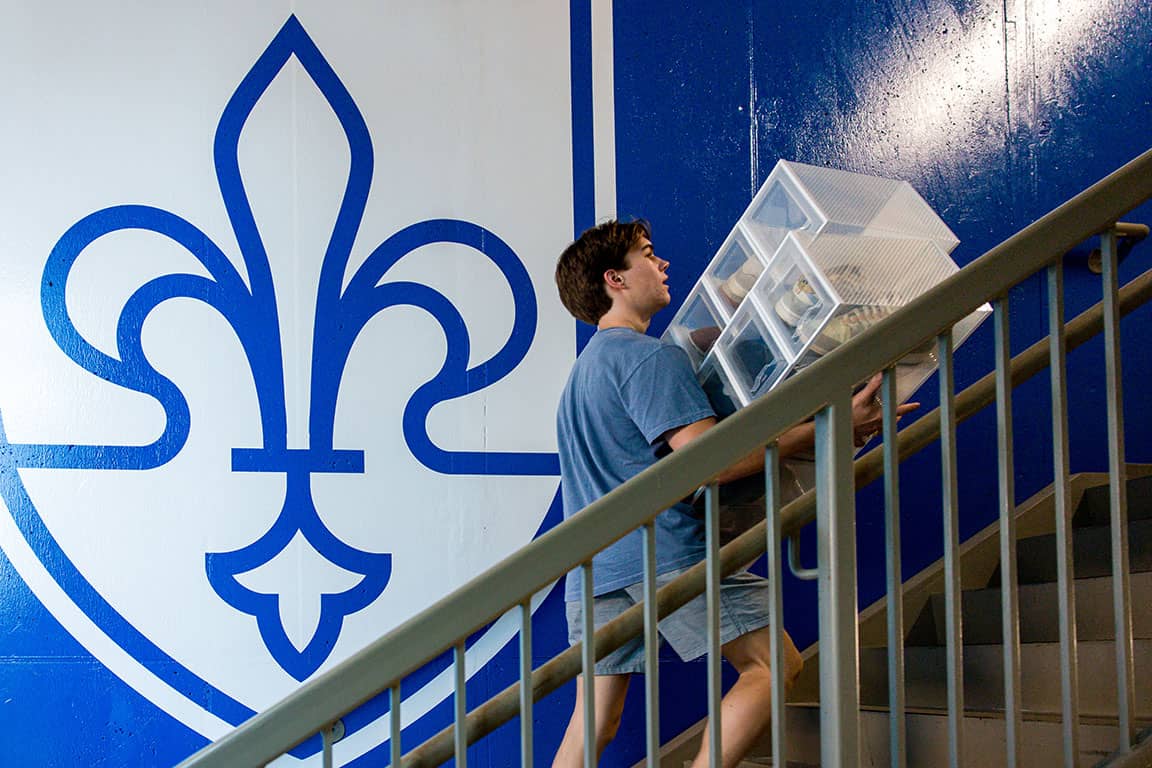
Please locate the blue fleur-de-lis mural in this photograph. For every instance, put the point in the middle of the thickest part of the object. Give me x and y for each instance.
(249, 306)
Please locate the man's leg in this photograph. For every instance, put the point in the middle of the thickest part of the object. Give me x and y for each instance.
(610, 691)
(747, 708)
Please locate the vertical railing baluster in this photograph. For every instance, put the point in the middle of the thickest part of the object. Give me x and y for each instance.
(1061, 485)
(394, 726)
(836, 547)
(1009, 591)
(775, 601)
(1118, 496)
(651, 650)
(461, 706)
(953, 626)
(895, 581)
(526, 698)
(712, 566)
(589, 663)
(326, 746)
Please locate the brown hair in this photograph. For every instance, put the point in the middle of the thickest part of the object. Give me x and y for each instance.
(580, 270)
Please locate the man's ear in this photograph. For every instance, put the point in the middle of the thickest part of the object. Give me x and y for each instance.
(613, 278)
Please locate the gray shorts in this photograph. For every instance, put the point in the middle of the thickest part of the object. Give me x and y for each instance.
(743, 609)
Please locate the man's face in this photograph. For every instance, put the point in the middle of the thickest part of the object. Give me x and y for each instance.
(645, 279)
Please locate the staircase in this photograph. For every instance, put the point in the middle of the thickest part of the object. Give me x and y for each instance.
(925, 654)
(319, 705)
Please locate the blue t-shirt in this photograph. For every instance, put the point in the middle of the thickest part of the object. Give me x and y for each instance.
(625, 391)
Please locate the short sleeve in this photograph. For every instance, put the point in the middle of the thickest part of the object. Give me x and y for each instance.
(662, 393)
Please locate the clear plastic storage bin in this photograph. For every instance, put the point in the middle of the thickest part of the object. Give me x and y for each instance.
(696, 326)
(818, 200)
(822, 291)
(780, 207)
(733, 272)
(717, 386)
(791, 294)
(819, 256)
(751, 354)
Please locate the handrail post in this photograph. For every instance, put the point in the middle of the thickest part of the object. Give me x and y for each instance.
(895, 582)
(836, 563)
(1065, 566)
(1009, 590)
(651, 650)
(326, 741)
(588, 653)
(460, 704)
(526, 697)
(953, 595)
(773, 542)
(1118, 496)
(394, 726)
(712, 601)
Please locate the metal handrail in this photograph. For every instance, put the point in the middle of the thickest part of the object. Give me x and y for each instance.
(750, 545)
(383, 663)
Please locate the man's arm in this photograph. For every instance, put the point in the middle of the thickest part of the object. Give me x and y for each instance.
(799, 438)
(867, 416)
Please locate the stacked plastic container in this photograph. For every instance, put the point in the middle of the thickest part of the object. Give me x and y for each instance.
(819, 256)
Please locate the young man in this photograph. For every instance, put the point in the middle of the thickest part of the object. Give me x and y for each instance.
(629, 400)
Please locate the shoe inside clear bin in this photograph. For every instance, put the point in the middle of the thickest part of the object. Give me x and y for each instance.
(696, 327)
(875, 270)
(790, 294)
(820, 334)
(819, 257)
(719, 390)
(751, 354)
(912, 370)
(733, 272)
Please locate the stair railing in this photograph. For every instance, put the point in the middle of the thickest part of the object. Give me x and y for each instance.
(823, 390)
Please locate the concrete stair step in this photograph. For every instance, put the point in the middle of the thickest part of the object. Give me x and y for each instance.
(1091, 552)
(926, 680)
(1095, 508)
(1039, 613)
(984, 743)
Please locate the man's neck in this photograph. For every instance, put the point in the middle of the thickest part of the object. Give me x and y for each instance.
(614, 319)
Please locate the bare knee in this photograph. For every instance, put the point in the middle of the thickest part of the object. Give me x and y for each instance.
(751, 656)
(573, 741)
(571, 751)
(793, 663)
(609, 695)
(606, 728)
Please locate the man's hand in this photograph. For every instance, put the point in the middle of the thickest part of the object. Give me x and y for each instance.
(868, 411)
(867, 420)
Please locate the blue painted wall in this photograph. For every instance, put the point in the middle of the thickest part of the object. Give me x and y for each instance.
(995, 113)
(708, 97)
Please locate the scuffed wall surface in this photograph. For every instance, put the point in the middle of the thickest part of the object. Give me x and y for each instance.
(996, 112)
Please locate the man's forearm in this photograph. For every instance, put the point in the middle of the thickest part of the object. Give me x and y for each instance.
(799, 438)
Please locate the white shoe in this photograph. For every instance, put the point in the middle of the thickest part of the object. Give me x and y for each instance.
(840, 328)
(736, 287)
(797, 302)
